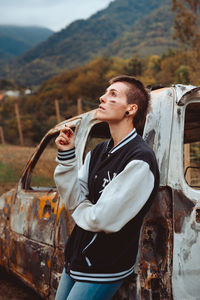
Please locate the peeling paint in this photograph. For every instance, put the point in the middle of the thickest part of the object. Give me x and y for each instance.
(198, 215)
(182, 208)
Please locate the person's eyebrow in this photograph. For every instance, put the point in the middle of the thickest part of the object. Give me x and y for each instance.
(112, 90)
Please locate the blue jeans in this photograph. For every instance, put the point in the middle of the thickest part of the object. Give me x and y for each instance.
(70, 289)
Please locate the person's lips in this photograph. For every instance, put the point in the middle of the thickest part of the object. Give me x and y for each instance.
(101, 107)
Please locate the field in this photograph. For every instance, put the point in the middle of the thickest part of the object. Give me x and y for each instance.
(13, 159)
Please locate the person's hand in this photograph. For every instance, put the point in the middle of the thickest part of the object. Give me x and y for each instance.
(66, 140)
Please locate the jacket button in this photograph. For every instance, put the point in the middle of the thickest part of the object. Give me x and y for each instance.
(108, 155)
(95, 177)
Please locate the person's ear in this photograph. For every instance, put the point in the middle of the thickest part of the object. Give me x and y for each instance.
(132, 109)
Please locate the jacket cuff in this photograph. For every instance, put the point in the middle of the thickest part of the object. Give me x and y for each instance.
(65, 155)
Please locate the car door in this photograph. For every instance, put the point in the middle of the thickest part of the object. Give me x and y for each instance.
(33, 219)
(184, 178)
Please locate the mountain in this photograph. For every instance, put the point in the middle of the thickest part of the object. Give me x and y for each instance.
(124, 28)
(16, 40)
(152, 34)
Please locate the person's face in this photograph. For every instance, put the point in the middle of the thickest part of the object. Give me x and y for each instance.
(113, 104)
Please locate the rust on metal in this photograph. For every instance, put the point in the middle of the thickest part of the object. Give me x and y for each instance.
(182, 208)
(198, 215)
(152, 278)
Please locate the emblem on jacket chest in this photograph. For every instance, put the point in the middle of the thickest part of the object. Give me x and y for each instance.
(107, 180)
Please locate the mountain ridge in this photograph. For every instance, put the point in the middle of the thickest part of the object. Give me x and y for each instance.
(16, 40)
(123, 22)
(132, 39)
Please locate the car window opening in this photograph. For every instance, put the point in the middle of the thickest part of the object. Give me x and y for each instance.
(191, 153)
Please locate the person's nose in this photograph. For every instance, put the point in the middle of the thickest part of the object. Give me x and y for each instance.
(102, 99)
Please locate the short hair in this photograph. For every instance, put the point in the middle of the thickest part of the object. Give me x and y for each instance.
(136, 94)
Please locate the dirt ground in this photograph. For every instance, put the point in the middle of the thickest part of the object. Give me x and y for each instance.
(12, 288)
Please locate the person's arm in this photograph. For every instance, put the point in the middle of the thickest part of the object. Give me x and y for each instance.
(72, 184)
(120, 200)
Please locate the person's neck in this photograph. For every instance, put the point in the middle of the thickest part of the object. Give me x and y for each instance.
(120, 131)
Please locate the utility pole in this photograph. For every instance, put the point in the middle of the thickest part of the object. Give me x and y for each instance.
(79, 106)
(57, 111)
(2, 135)
(19, 125)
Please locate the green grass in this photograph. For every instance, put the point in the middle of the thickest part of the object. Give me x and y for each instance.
(7, 173)
(42, 181)
(14, 158)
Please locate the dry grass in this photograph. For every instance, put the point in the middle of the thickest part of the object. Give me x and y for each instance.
(16, 155)
(13, 159)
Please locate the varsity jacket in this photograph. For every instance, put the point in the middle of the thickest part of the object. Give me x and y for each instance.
(108, 199)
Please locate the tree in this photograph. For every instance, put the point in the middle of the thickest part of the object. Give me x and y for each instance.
(134, 66)
(187, 22)
(182, 74)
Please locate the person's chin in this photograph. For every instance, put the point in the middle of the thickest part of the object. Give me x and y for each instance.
(100, 116)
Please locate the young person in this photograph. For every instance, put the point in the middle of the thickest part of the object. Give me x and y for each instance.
(109, 197)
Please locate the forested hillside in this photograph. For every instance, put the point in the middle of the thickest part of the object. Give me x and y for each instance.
(152, 34)
(125, 28)
(38, 112)
(16, 40)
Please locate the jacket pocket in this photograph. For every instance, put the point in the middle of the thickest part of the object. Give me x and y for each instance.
(88, 261)
(105, 250)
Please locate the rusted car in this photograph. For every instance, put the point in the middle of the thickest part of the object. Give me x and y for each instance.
(34, 224)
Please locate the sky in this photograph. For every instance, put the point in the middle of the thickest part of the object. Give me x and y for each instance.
(53, 14)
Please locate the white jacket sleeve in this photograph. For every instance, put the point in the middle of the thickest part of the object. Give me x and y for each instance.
(72, 184)
(120, 200)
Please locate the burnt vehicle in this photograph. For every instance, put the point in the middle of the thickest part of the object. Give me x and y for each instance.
(34, 223)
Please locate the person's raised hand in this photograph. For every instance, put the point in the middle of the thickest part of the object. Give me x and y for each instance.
(66, 140)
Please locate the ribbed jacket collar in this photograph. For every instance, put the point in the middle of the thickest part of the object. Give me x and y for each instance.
(123, 142)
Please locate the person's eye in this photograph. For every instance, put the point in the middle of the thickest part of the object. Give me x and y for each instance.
(113, 94)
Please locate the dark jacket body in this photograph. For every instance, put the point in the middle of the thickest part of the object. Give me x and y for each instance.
(114, 253)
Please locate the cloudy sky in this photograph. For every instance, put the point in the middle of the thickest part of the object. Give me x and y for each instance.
(53, 14)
